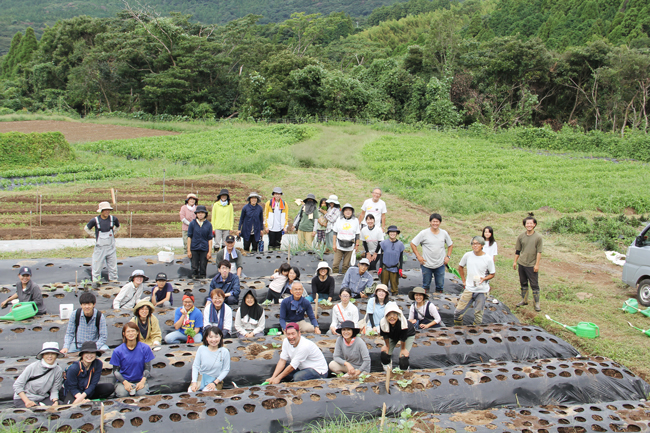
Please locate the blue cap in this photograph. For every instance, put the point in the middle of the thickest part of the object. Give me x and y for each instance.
(25, 271)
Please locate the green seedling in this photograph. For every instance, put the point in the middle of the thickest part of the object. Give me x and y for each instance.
(276, 345)
(190, 332)
(404, 383)
(67, 288)
(372, 332)
(267, 302)
(405, 422)
(363, 377)
(397, 370)
(325, 302)
(340, 374)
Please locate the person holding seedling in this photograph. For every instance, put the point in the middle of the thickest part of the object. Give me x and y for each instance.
(433, 258)
(27, 291)
(223, 218)
(480, 269)
(528, 253)
(188, 322)
(131, 363)
(187, 215)
(391, 260)
(199, 242)
(106, 226)
(132, 291)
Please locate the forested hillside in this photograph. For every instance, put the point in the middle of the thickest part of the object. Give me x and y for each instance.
(456, 63)
(18, 15)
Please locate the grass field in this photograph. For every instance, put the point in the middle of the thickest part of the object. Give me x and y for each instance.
(474, 182)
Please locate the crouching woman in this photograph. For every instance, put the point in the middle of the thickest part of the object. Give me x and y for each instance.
(131, 363)
(82, 377)
(395, 329)
(41, 381)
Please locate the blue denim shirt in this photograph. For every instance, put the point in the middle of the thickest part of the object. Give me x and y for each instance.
(355, 282)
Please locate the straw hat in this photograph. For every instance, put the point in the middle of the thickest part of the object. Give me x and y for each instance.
(103, 206)
(189, 196)
(418, 291)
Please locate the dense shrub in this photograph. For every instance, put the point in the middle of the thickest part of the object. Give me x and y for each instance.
(611, 233)
(19, 150)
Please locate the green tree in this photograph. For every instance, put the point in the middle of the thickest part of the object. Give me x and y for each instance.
(9, 60)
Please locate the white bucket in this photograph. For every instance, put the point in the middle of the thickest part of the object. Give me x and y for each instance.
(166, 256)
(65, 311)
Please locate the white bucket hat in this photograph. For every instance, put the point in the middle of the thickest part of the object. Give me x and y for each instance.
(49, 347)
(333, 199)
(323, 265)
(103, 205)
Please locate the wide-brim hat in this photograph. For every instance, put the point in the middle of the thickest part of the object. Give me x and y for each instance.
(383, 287)
(347, 205)
(189, 196)
(103, 206)
(310, 197)
(224, 191)
(201, 208)
(349, 324)
(138, 273)
(277, 190)
(254, 194)
(49, 347)
(333, 199)
(393, 229)
(142, 303)
(90, 346)
(417, 291)
(323, 265)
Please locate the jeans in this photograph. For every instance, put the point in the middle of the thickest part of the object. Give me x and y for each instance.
(306, 374)
(438, 274)
(176, 337)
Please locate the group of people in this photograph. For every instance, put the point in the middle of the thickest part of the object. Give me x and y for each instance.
(383, 252)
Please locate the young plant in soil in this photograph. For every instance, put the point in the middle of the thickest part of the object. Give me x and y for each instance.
(405, 422)
(404, 383)
(398, 370)
(363, 377)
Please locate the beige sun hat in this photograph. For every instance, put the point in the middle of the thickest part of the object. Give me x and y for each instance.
(103, 206)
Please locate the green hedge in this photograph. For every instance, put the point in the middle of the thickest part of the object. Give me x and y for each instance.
(18, 150)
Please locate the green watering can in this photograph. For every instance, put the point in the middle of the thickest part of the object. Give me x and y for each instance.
(21, 311)
(583, 329)
(632, 306)
(646, 332)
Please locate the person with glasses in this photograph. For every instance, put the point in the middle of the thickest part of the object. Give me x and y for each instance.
(480, 269)
(434, 256)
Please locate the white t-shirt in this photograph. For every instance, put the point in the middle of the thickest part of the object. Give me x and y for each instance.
(305, 355)
(346, 230)
(372, 237)
(433, 247)
(477, 266)
(351, 312)
(376, 209)
(490, 250)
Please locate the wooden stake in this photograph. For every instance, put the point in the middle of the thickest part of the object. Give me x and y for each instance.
(164, 184)
(316, 306)
(40, 211)
(288, 252)
(101, 424)
(388, 372)
(30, 224)
(383, 418)
(113, 194)
(131, 225)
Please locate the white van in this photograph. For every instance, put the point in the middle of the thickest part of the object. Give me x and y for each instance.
(636, 271)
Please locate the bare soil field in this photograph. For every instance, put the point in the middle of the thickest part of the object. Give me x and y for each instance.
(65, 212)
(76, 132)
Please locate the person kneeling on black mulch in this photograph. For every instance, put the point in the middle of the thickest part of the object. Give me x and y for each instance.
(395, 329)
(82, 377)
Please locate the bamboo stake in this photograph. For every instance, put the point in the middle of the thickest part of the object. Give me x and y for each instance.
(30, 225)
(316, 306)
(164, 171)
(383, 418)
(131, 225)
(113, 194)
(101, 424)
(40, 211)
(388, 372)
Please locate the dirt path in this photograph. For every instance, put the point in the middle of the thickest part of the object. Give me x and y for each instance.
(76, 132)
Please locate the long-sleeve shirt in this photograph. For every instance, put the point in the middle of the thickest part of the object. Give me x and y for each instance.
(356, 353)
(223, 217)
(154, 334)
(214, 364)
(251, 221)
(225, 310)
(294, 311)
(87, 331)
(230, 285)
(129, 296)
(200, 235)
(44, 387)
(355, 282)
(186, 215)
(326, 287)
(79, 379)
(351, 312)
(244, 325)
(422, 312)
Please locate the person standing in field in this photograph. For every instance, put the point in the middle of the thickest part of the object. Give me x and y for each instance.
(391, 260)
(433, 258)
(346, 239)
(528, 253)
(251, 222)
(371, 237)
(480, 269)
(223, 219)
(106, 226)
(306, 220)
(187, 215)
(199, 242)
(332, 215)
(376, 207)
(276, 219)
(490, 247)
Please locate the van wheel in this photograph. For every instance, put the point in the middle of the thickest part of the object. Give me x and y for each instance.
(643, 293)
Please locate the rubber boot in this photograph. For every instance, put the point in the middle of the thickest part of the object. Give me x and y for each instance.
(404, 363)
(458, 322)
(536, 297)
(524, 298)
(386, 361)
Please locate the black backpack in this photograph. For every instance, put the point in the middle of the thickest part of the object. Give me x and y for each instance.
(77, 318)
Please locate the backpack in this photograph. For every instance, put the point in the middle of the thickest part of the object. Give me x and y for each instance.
(77, 318)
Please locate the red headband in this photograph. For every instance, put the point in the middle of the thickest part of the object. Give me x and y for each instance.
(188, 297)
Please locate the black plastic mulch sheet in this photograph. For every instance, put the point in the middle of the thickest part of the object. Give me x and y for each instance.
(616, 416)
(577, 381)
(253, 360)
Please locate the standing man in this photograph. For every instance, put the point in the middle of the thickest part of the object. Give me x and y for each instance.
(528, 253)
(276, 219)
(27, 291)
(376, 207)
(106, 226)
(433, 258)
(480, 269)
(305, 359)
